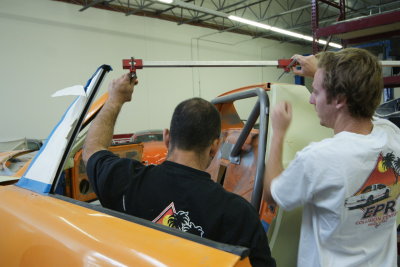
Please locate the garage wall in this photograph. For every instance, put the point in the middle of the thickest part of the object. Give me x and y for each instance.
(397, 92)
(46, 46)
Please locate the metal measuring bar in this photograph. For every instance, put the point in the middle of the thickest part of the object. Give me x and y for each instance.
(139, 64)
(133, 64)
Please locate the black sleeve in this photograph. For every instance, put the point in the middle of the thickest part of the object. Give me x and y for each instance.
(260, 253)
(245, 229)
(109, 176)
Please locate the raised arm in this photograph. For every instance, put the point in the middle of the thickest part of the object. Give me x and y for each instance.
(308, 65)
(280, 118)
(101, 130)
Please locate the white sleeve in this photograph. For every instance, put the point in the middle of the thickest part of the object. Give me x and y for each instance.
(293, 187)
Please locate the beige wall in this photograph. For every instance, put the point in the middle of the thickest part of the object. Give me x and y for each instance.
(47, 45)
(397, 92)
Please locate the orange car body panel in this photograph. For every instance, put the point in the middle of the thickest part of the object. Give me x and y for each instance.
(154, 152)
(54, 232)
(95, 108)
(43, 230)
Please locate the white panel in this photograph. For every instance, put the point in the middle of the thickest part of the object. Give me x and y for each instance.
(284, 234)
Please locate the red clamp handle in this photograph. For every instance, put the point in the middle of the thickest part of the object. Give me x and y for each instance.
(132, 64)
(287, 64)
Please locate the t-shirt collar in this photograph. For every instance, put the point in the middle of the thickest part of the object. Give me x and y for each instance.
(187, 168)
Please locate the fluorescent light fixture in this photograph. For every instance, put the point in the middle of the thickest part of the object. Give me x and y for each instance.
(250, 22)
(308, 38)
(332, 44)
(166, 1)
(279, 30)
(286, 32)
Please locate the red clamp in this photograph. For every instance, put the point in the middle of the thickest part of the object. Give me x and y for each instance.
(287, 64)
(132, 64)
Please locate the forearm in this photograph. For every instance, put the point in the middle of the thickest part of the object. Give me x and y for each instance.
(101, 130)
(274, 164)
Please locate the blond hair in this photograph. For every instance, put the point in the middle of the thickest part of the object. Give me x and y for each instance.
(356, 74)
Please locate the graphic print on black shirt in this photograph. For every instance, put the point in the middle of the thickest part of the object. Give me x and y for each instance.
(378, 195)
(179, 220)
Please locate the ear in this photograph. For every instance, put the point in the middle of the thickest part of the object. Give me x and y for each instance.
(340, 101)
(166, 137)
(214, 147)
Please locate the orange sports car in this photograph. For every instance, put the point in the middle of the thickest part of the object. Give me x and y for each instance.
(50, 216)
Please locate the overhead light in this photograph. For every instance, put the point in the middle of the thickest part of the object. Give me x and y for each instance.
(250, 22)
(308, 38)
(331, 44)
(279, 30)
(166, 1)
(286, 32)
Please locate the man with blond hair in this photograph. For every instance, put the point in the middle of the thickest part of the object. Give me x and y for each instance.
(347, 184)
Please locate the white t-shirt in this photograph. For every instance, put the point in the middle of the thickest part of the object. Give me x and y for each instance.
(348, 187)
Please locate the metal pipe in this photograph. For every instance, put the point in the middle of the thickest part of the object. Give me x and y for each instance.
(191, 64)
(246, 130)
(254, 63)
(262, 139)
(263, 104)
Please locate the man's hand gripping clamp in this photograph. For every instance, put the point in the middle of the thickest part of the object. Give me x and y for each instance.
(132, 64)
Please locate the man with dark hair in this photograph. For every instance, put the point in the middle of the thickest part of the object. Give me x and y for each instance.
(347, 184)
(195, 125)
(177, 193)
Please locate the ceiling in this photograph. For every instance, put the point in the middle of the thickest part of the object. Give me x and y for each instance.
(293, 15)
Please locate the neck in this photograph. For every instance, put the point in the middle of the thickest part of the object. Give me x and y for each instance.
(345, 122)
(189, 158)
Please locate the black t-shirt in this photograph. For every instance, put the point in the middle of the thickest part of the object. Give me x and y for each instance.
(181, 197)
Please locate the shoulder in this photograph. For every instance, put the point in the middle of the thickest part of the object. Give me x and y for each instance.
(105, 164)
(107, 157)
(320, 145)
(386, 125)
(100, 154)
(98, 159)
(316, 151)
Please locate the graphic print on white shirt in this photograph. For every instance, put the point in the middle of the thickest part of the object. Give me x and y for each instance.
(378, 195)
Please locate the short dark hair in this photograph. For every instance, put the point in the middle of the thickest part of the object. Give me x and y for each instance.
(356, 74)
(195, 125)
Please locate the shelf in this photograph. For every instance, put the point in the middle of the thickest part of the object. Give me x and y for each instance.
(391, 81)
(364, 28)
